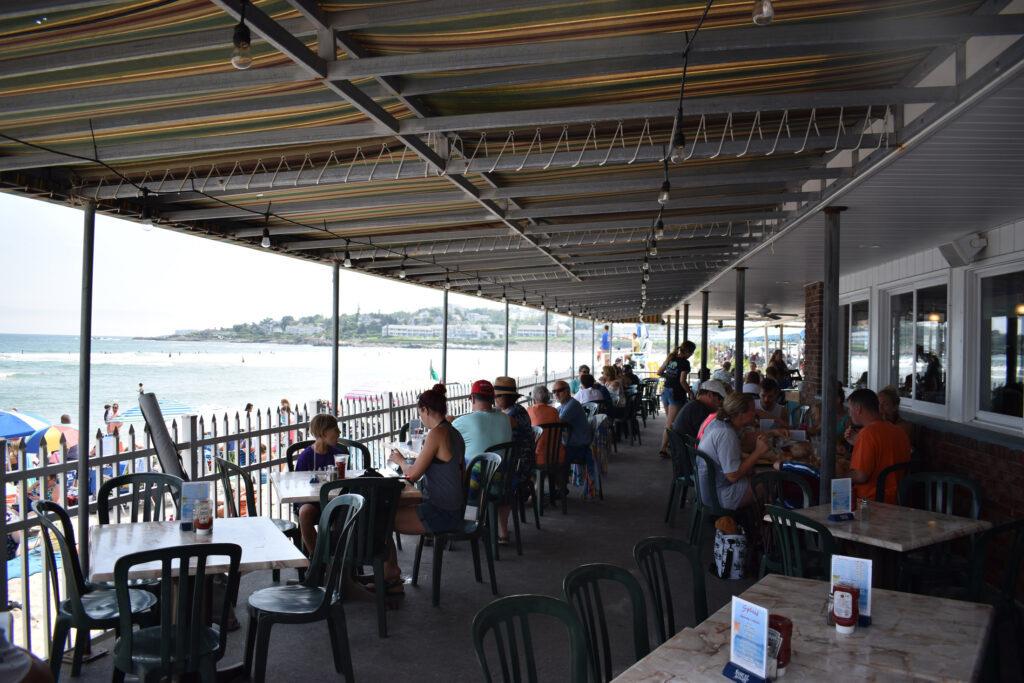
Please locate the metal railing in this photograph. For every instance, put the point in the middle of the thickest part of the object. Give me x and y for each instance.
(258, 444)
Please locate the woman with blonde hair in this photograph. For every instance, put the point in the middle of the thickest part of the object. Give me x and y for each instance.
(889, 409)
(721, 442)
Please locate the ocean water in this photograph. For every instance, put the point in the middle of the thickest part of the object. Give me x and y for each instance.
(39, 373)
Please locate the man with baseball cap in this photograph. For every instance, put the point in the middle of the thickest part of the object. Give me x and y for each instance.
(484, 426)
(709, 399)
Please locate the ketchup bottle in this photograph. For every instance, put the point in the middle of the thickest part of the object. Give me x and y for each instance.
(844, 607)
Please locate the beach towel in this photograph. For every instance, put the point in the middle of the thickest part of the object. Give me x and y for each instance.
(35, 563)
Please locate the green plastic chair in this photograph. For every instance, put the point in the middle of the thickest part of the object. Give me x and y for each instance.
(472, 531)
(649, 555)
(228, 471)
(558, 434)
(317, 598)
(901, 468)
(87, 606)
(682, 476)
(508, 620)
(503, 493)
(629, 418)
(356, 449)
(182, 642)
(947, 494)
(702, 508)
(768, 489)
(372, 529)
(651, 402)
(582, 587)
(147, 496)
(797, 549)
(1008, 536)
(297, 447)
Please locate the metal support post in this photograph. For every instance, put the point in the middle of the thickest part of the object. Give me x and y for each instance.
(572, 362)
(741, 286)
(686, 321)
(444, 341)
(84, 378)
(336, 328)
(829, 357)
(506, 338)
(704, 302)
(675, 345)
(546, 316)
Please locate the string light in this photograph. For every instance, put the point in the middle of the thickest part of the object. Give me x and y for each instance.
(659, 229)
(479, 290)
(763, 13)
(241, 54)
(654, 248)
(401, 271)
(447, 282)
(348, 257)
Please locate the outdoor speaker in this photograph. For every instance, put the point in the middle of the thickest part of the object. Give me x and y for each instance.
(964, 250)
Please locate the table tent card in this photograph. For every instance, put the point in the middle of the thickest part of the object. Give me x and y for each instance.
(191, 491)
(748, 643)
(855, 571)
(842, 502)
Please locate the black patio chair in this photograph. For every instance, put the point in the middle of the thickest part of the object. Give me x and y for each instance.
(650, 555)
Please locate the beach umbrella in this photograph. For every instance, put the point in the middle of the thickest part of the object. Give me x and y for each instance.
(51, 436)
(168, 408)
(14, 423)
(365, 393)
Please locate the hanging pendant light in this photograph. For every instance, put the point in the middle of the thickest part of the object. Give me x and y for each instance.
(678, 152)
(447, 282)
(401, 271)
(763, 13)
(659, 229)
(654, 247)
(666, 189)
(241, 54)
(348, 257)
(647, 263)
(265, 242)
(479, 290)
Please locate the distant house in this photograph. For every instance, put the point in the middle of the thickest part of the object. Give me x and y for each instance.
(412, 331)
(304, 329)
(466, 332)
(537, 331)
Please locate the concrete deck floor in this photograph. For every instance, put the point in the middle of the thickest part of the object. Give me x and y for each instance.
(428, 643)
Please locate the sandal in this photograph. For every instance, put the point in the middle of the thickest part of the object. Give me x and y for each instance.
(504, 540)
(393, 588)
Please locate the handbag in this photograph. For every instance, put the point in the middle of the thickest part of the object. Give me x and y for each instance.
(730, 555)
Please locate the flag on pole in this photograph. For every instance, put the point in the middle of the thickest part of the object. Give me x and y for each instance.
(433, 372)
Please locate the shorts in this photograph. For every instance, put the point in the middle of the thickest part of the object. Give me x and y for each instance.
(668, 398)
(436, 520)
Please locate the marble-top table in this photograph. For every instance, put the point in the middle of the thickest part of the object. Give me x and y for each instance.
(263, 545)
(295, 487)
(912, 637)
(896, 527)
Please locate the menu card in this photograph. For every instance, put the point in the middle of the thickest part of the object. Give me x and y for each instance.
(855, 571)
(748, 642)
(191, 491)
(842, 502)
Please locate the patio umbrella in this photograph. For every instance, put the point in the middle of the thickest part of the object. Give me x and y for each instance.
(51, 435)
(14, 423)
(168, 408)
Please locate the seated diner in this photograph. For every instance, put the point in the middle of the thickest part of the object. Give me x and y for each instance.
(317, 457)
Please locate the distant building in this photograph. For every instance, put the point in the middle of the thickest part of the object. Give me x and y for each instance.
(412, 331)
(537, 331)
(304, 329)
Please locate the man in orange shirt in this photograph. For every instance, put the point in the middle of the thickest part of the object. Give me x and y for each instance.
(877, 444)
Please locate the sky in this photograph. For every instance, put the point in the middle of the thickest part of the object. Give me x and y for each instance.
(153, 282)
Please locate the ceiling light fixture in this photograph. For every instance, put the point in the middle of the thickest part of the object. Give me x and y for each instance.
(447, 282)
(265, 242)
(659, 229)
(401, 271)
(654, 248)
(479, 290)
(647, 263)
(241, 55)
(504, 298)
(1020, 309)
(647, 277)
(348, 257)
(666, 189)
(763, 13)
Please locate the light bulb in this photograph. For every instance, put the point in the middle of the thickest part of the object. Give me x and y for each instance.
(447, 283)
(265, 242)
(647, 264)
(147, 218)
(524, 299)
(647, 277)
(479, 290)
(663, 195)
(504, 299)
(659, 229)
(241, 55)
(678, 154)
(1020, 309)
(401, 271)
(348, 260)
(763, 13)
(654, 247)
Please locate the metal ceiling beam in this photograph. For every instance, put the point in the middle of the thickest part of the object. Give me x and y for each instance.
(857, 34)
(588, 230)
(124, 51)
(425, 10)
(278, 36)
(577, 208)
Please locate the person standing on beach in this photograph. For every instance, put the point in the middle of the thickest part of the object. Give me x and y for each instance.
(606, 346)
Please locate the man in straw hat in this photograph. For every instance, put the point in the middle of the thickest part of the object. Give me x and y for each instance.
(505, 395)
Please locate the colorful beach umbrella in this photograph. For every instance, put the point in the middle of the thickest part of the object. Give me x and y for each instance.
(14, 423)
(51, 436)
(168, 408)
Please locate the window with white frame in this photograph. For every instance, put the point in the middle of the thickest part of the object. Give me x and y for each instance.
(1001, 371)
(854, 338)
(918, 353)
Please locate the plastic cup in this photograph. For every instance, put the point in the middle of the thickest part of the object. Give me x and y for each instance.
(341, 462)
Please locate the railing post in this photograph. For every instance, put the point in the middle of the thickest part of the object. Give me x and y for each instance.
(189, 425)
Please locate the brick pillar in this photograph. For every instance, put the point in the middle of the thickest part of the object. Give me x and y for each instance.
(813, 303)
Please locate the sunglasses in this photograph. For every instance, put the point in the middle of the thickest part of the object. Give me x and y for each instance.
(558, 391)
